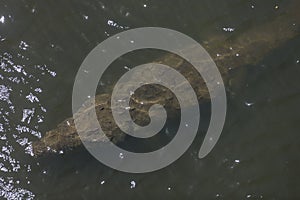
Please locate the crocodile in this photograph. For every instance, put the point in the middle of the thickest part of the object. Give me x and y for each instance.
(247, 48)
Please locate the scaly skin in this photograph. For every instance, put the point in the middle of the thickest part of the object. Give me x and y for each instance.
(248, 48)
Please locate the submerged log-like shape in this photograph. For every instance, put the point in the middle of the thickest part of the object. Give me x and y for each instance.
(247, 48)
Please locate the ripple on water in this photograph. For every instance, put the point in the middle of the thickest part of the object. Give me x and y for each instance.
(21, 113)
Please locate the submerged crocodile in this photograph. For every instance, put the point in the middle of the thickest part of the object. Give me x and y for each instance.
(228, 53)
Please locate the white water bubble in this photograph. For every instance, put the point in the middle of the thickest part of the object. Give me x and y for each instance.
(249, 104)
(2, 19)
(228, 29)
(127, 68)
(121, 155)
(132, 184)
(23, 45)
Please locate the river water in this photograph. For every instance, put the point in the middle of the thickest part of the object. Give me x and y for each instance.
(43, 43)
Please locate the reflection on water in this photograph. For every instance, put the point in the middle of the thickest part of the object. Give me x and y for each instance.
(21, 115)
(42, 44)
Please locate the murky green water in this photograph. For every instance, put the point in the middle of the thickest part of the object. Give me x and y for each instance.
(42, 44)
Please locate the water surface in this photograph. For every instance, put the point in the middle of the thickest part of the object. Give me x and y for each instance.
(42, 44)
